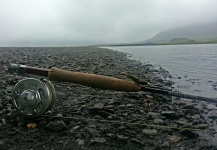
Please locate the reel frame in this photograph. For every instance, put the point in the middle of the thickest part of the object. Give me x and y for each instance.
(33, 97)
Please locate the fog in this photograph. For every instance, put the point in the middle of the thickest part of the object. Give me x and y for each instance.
(83, 22)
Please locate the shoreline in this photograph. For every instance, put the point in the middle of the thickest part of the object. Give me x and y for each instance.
(180, 118)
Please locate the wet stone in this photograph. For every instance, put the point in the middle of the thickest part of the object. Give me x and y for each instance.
(158, 121)
(129, 105)
(189, 107)
(74, 129)
(174, 138)
(201, 126)
(165, 145)
(98, 106)
(56, 126)
(4, 122)
(110, 135)
(149, 131)
(122, 137)
(182, 122)
(170, 114)
(190, 134)
(97, 140)
(154, 115)
(137, 141)
(80, 141)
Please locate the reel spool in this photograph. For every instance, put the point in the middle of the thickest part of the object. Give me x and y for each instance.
(32, 97)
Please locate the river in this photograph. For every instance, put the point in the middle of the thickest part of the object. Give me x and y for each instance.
(193, 67)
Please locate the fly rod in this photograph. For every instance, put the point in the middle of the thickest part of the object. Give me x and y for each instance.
(33, 97)
(98, 81)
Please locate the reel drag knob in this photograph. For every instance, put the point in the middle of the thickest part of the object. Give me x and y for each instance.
(32, 97)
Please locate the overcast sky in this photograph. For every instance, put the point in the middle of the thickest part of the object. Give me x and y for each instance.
(78, 22)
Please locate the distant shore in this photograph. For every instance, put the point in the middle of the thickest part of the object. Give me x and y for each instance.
(174, 41)
(155, 44)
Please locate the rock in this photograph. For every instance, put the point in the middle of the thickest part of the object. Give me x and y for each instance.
(196, 117)
(98, 106)
(169, 83)
(129, 105)
(149, 131)
(109, 106)
(4, 122)
(141, 111)
(109, 117)
(92, 126)
(1, 142)
(158, 121)
(190, 134)
(56, 126)
(170, 114)
(189, 107)
(66, 144)
(97, 140)
(180, 103)
(165, 145)
(213, 117)
(74, 129)
(174, 138)
(20, 120)
(137, 141)
(80, 141)
(122, 137)
(3, 93)
(192, 111)
(60, 142)
(121, 106)
(154, 115)
(110, 135)
(125, 114)
(201, 126)
(182, 122)
(59, 115)
(149, 97)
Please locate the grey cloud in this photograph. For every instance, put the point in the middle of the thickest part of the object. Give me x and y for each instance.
(66, 22)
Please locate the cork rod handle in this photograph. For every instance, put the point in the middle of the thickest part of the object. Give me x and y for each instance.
(92, 80)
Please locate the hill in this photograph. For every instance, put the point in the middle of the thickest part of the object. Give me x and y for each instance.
(203, 33)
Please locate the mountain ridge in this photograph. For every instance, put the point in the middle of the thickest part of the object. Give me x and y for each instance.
(200, 33)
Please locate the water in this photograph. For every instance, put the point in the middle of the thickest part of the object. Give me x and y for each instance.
(195, 64)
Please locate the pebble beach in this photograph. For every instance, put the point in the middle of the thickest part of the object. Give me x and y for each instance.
(89, 118)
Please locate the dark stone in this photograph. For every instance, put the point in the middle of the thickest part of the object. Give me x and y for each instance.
(168, 83)
(56, 126)
(170, 114)
(190, 134)
(98, 140)
(137, 141)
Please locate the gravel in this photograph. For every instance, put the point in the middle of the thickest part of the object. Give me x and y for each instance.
(89, 118)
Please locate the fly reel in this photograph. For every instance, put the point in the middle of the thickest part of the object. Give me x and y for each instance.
(33, 97)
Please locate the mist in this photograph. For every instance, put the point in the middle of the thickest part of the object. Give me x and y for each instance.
(79, 22)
